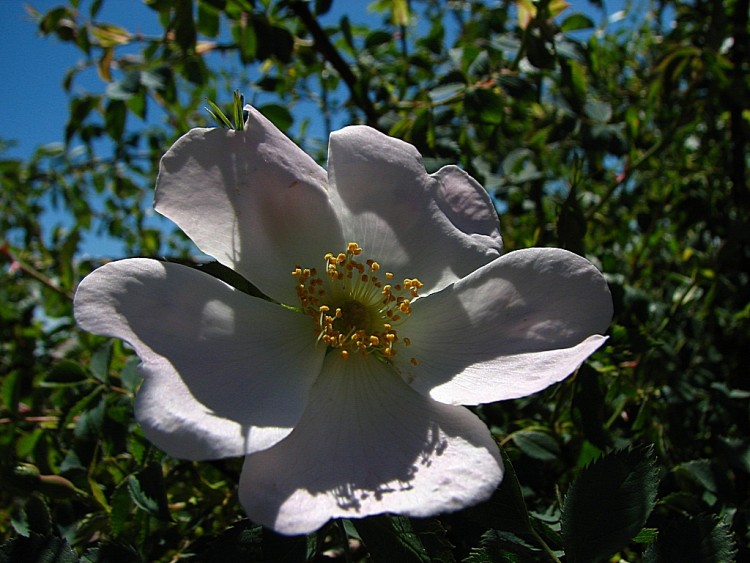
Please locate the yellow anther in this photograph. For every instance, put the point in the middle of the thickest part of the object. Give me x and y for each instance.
(414, 361)
(353, 310)
(407, 341)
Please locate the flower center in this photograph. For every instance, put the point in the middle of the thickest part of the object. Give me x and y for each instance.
(354, 308)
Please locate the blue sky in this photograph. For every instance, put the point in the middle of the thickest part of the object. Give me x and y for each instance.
(34, 67)
(36, 106)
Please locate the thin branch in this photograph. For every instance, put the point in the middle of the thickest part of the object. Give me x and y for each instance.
(34, 273)
(331, 54)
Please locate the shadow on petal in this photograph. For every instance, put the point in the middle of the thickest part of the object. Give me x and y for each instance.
(437, 227)
(517, 325)
(251, 199)
(369, 444)
(212, 357)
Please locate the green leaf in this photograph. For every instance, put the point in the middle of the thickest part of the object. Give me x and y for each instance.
(208, 19)
(121, 506)
(480, 66)
(705, 538)
(484, 105)
(737, 451)
(646, 535)
(154, 79)
(148, 493)
(89, 425)
(506, 509)
(575, 22)
(248, 542)
(126, 87)
(376, 38)
(700, 471)
(183, 24)
(434, 539)
(608, 504)
(445, 92)
(111, 553)
(65, 372)
(519, 166)
(38, 516)
(12, 390)
(100, 360)
(278, 115)
(536, 444)
(590, 405)
(500, 545)
(391, 538)
(37, 549)
(272, 41)
(322, 7)
(571, 224)
(539, 53)
(115, 117)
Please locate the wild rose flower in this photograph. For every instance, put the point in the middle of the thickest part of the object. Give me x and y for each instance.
(389, 306)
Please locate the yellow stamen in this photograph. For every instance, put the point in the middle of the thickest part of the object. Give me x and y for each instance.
(353, 310)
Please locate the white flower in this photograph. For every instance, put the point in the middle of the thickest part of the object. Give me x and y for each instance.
(397, 309)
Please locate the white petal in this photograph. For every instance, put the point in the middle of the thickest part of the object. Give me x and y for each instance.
(225, 374)
(251, 199)
(437, 228)
(369, 444)
(519, 324)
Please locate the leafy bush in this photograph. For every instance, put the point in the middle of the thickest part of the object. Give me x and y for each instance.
(624, 143)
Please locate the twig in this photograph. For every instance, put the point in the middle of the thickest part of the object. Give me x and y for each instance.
(331, 54)
(30, 271)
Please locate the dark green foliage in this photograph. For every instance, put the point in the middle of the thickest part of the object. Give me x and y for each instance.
(608, 504)
(624, 143)
(702, 538)
(38, 549)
